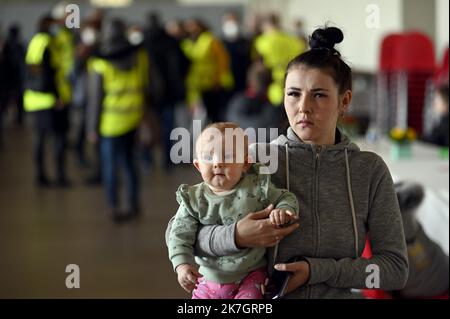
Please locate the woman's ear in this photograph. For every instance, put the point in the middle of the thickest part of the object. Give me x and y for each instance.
(345, 98)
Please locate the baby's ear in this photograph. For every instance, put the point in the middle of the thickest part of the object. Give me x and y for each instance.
(196, 164)
(247, 165)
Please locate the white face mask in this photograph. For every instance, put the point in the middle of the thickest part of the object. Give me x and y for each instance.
(135, 37)
(230, 29)
(89, 36)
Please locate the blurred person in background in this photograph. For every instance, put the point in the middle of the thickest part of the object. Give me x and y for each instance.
(64, 47)
(170, 66)
(254, 28)
(439, 134)
(238, 48)
(2, 85)
(13, 70)
(86, 47)
(209, 79)
(251, 108)
(183, 115)
(118, 97)
(275, 48)
(175, 28)
(42, 99)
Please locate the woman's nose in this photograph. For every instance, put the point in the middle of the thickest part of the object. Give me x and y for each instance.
(303, 105)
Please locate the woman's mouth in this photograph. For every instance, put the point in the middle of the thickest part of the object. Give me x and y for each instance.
(305, 123)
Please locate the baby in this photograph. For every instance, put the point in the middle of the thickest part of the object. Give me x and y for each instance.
(232, 187)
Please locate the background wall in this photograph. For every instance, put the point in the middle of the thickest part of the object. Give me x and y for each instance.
(354, 17)
(361, 45)
(27, 13)
(362, 35)
(420, 15)
(442, 25)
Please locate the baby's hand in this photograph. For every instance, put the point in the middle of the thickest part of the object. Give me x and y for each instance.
(187, 276)
(280, 217)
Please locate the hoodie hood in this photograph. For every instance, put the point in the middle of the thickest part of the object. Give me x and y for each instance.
(340, 151)
(330, 151)
(342, 141)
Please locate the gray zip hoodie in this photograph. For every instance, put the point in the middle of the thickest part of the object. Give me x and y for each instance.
(340, 189)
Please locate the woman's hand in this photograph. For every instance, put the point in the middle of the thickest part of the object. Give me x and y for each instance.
(256, 230)
(300, 274)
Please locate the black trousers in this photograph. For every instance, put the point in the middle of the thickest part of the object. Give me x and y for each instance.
(50, 123)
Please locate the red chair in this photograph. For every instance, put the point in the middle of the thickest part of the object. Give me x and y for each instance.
(389, 50)
(378, 293)
(372, 293)
(412, 54)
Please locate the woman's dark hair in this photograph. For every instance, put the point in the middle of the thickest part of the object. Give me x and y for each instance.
(324, 56)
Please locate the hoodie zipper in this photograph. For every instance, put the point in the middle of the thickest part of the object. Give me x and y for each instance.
(316, 192)
(315, 216)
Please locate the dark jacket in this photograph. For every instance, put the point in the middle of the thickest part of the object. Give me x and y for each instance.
(250, 110)
(239, 51)
(169, 65)
(439, 134)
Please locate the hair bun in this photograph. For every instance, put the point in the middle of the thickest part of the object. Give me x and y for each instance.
(326, 38)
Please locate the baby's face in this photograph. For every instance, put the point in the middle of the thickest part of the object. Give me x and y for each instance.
(221, 164)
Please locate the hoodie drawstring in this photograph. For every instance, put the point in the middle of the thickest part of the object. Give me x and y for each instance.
(286, 147)
(350, 197)
(352, 206)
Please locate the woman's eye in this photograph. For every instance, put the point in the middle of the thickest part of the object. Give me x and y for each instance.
(294, 94)
(319, 95)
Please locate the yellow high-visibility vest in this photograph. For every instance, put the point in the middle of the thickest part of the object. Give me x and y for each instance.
(36, 100)
(123, 100)
(276, 49)
(64, 61)
(210, 66)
